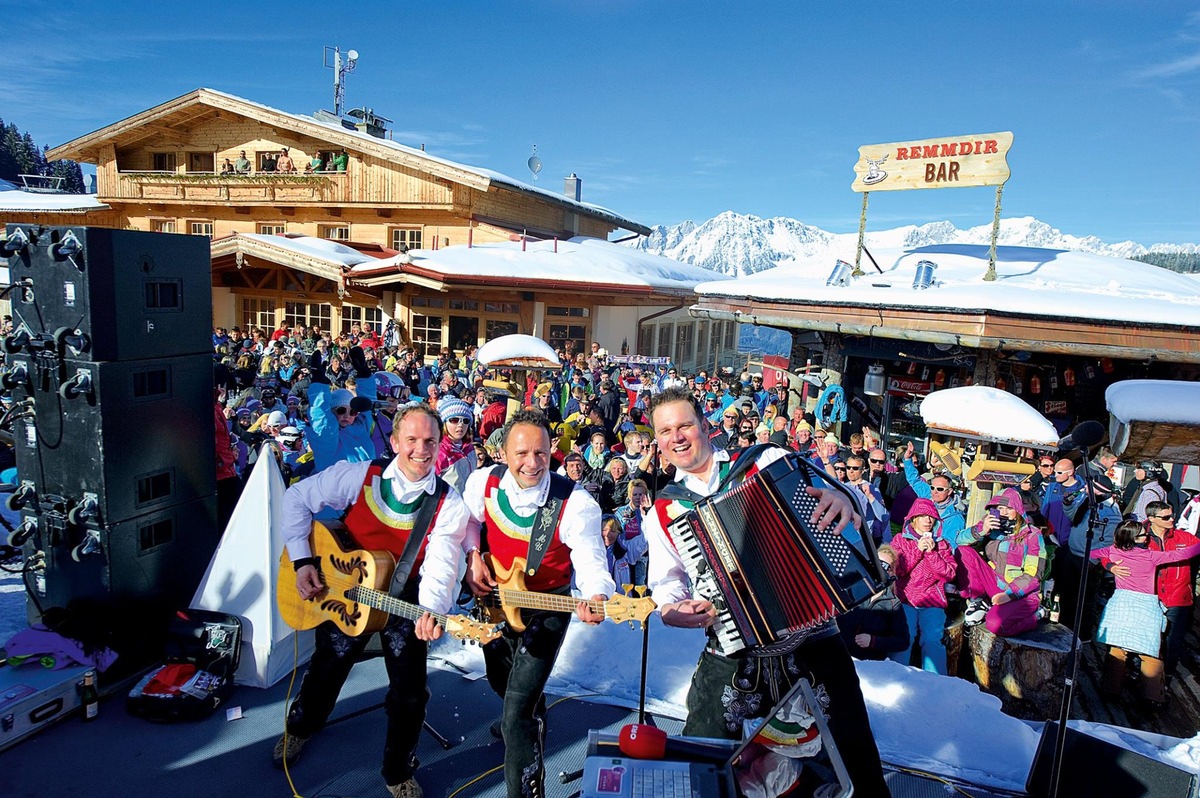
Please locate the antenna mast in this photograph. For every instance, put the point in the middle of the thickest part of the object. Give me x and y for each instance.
(340, 70)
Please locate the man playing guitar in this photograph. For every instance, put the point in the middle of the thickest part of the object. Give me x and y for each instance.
(535, 517)
(725, 691)
(385, 502)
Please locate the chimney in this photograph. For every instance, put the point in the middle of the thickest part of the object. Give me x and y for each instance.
(573, 187)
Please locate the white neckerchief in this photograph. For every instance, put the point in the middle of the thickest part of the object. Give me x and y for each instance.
(525, 500)
(403, 489)
(704, 487)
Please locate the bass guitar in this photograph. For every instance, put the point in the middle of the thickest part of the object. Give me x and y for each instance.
(355, 596)
(509, 597)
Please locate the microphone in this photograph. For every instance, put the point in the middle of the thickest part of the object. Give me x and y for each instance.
(1084, 436)
(642, 741)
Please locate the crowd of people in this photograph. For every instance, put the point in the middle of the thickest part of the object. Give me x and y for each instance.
(617, 438)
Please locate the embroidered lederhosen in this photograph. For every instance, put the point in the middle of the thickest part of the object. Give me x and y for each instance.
(379, 521)
(508, 535)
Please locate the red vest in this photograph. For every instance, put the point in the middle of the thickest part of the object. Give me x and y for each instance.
(377, 521)
(508, 538)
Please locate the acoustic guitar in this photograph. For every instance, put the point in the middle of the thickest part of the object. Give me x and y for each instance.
(509, 597)
(355, 596)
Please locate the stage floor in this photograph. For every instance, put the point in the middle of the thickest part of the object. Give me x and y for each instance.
(119, 756)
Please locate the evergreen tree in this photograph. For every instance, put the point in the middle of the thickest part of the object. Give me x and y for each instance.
(20, 155)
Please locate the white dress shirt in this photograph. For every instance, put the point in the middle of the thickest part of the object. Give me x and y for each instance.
(339, 485)
(578, 529)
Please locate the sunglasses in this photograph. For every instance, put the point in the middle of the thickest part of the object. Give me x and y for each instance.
(854, 468)
(1064, 472)
(344, 411)
(457, 420)
(819, 437)
(1045, 465)
(839, 468)
(878, 462)
(941, 490)
(1166, 517)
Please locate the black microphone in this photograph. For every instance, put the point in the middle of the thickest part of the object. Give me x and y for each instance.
(642, 741)
(1084, 436)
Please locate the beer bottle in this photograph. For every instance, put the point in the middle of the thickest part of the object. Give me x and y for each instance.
(1055, 610)
(89, 697)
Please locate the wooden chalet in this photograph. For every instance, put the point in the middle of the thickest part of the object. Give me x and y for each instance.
(167, 169)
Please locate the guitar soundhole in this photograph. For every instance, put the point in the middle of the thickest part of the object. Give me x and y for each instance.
(342, 609)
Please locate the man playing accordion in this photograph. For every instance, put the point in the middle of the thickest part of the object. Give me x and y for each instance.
(726, 690)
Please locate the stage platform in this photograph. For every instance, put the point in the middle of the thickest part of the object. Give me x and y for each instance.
(119, 756)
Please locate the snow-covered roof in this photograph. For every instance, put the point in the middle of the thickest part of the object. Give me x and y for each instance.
(1167, 401)
(517, 349)
(1030, 281)
(14, 199)
(581, 260)
(983, 412)
(320, 248)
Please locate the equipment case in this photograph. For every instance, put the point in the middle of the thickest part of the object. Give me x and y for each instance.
(202, 656)
(33, 697)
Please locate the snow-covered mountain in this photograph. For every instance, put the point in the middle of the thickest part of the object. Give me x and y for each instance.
(737, 244)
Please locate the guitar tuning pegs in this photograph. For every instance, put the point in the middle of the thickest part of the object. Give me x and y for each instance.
(626, 587)
(641, 590)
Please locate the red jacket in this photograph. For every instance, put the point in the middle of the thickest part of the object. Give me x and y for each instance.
(1174, 582)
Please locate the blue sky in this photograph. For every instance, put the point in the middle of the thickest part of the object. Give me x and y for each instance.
(681, 110)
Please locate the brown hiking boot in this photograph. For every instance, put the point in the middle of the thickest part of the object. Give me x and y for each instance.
(406, 789)
(288, 748)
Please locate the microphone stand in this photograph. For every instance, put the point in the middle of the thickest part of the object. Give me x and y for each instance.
(1072, 670)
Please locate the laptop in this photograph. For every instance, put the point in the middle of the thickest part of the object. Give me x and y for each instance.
(609, 774)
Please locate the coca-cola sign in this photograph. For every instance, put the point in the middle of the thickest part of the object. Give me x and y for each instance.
(899, 386)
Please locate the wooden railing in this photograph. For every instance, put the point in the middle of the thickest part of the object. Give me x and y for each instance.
(322, 187)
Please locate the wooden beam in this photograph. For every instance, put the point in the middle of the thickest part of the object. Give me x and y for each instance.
(287, 210)
(383, 213)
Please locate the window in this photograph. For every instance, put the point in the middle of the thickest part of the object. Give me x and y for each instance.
(308, 314)
(164, 161)
(334, 232)
(683, 342)
(427, 335)
(367, 318)
(464, 304)
(258, 313)
(201, 162)
(272, 229)
(702, 343)
(561, 333)
(428, 302)
(715, 339)
(162, 225)
(730, 336)
(496, 328)
(408, 236)
(201, 228)
(645, 339)
(578, 313)
(502, 307)
(664, 340)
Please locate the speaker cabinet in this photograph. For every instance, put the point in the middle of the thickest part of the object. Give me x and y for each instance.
(137, 437)
(98, 294)
(1091, 766)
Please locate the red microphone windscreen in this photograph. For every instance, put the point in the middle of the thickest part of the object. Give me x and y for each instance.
(642, 741)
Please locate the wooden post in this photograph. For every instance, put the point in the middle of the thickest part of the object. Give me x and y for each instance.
(862, 230)
(991, 271)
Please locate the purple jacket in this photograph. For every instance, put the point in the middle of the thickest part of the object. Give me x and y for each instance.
(921, 576)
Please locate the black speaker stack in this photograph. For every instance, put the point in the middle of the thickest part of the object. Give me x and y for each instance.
(110, 369)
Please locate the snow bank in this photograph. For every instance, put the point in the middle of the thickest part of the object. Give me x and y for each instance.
(987, 413)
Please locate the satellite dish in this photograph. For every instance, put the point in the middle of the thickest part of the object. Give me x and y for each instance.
(352, 55)
(534, 163)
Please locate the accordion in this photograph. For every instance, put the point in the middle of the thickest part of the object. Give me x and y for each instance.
(752, 552)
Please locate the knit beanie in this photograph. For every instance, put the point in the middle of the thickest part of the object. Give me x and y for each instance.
(449, 407)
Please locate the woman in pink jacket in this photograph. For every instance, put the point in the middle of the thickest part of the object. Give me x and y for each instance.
(924, 565)
(1133, 619)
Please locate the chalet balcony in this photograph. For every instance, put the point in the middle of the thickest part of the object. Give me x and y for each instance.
(261, 187)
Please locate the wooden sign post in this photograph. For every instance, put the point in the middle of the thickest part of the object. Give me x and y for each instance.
(955, 162)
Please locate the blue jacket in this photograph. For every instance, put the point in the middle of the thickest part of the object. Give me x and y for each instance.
(954, 523)
(328, 442)
(1059, 504)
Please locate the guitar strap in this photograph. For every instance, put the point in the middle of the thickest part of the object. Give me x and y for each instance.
(416, 536)
(546, 521)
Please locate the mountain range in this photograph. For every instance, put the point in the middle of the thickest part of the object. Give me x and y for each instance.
(738, 244)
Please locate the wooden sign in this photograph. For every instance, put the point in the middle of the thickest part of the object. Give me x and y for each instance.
(975, 160)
